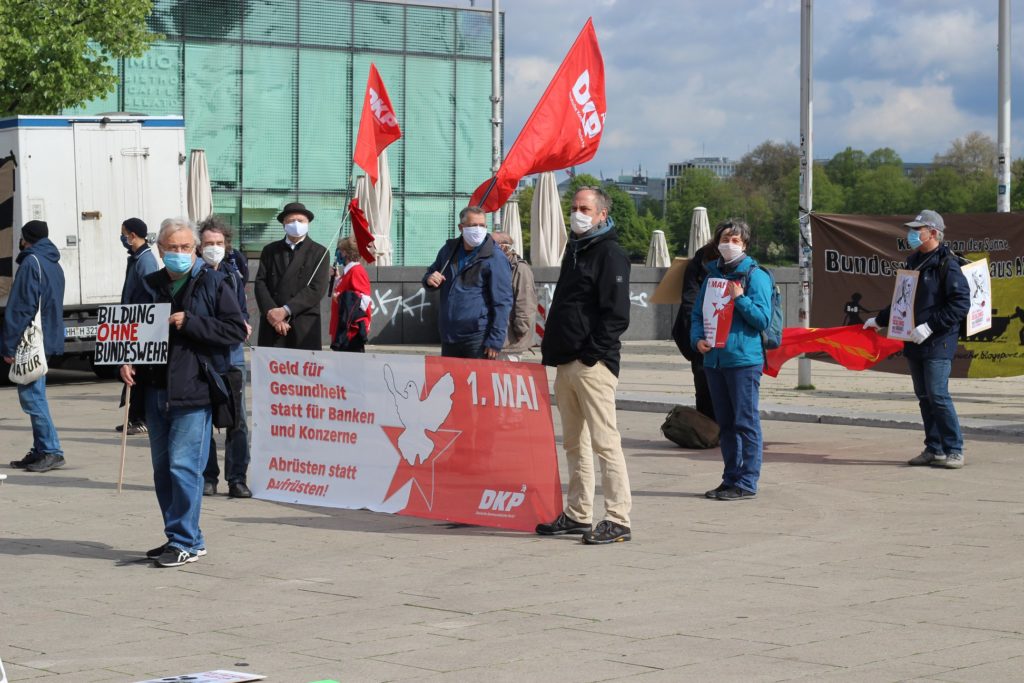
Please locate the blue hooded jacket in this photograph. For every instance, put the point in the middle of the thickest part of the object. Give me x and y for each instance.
(751, 316)
(31, 282)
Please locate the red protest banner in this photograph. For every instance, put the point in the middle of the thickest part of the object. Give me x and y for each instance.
(442, 438)
(565, 127)
(851, 346)
(378, 126)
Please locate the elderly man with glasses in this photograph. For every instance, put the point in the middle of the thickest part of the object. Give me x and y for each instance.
(205, 323)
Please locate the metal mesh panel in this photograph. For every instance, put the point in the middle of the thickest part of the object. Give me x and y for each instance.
(273, 91)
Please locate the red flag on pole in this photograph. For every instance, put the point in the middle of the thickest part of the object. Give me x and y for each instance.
(563, 130)
(361, 230)
(378, 126)
(852, 346)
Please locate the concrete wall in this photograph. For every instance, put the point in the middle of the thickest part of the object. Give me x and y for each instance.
(406, 313)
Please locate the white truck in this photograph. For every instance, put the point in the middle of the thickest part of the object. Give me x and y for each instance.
(84, 175)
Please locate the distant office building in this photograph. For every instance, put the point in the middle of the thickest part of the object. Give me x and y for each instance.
(273, 91)
(641, 188)
(722, 167)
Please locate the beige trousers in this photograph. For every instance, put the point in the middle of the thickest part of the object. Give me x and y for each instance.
(586, 403)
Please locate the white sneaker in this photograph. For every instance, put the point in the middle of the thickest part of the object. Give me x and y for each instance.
(927, 458)
(954, 461)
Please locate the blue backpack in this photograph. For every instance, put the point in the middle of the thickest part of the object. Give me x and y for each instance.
(771, 338)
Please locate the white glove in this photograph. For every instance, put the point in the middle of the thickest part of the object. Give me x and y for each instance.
(872, 324)
(920, 333)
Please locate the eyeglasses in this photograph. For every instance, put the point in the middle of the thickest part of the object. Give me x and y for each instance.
(178, 248)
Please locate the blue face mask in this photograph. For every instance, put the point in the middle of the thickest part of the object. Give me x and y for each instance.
(339, 257)
(178, 263)
(124, 241)
(914, 238)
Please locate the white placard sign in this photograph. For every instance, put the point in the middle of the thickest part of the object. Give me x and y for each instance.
(979, 317)
(132, 333)
(218, 676)
(901, 312)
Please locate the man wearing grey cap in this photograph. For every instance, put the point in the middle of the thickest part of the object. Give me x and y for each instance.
(941, 302)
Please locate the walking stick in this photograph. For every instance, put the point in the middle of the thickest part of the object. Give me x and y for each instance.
(124, 433)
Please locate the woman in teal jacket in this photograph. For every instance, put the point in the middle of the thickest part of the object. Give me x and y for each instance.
(733, 371)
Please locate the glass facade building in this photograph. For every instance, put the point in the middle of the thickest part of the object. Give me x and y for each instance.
(273, 91)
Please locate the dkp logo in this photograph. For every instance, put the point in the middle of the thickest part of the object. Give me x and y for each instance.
(502, 501)
(590, 119)
(381, 110)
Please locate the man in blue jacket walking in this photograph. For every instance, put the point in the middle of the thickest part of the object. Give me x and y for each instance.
(476, 290)
(38, 285)
(941, 302)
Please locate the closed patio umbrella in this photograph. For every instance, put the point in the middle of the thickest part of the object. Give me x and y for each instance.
(547, 224)
(368, 203)
(511, 224)
(700, 231)
(381, 229)
(657, 253)
(200, 197)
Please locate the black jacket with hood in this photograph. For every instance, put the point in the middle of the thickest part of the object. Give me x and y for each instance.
(590, 309)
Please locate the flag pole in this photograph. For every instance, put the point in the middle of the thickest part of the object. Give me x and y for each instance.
(496, 100)
(806, 178)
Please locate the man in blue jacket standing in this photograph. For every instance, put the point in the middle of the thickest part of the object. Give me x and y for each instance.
(476, 290)
(141, 262)
(941, 303)
(38, 285)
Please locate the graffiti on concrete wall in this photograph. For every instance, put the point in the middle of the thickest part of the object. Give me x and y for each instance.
(389, 305)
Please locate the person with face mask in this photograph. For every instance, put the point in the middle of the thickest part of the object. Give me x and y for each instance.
(941, 303)
(588, 315)
(38, 286)
(475, 280)
(217, 254)
(351, 302)
(733, 368)
(141, 262)
(293, 278)
(205, 323)
(524, 302)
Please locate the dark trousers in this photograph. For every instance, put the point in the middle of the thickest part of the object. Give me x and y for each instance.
(468, 347)
(236, 449)
(700, 384)
(137, 404)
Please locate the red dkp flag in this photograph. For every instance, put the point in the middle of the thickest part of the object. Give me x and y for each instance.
(361, 229)
(852, 346)
(378, 126)
(563, 130)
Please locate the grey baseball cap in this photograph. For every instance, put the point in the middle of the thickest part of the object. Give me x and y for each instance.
(928, 219)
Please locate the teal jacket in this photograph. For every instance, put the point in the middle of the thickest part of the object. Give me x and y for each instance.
(751, 316)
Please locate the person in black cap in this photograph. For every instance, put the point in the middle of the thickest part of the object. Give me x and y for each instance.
(293, 278)
(38, 286)
(141, 262)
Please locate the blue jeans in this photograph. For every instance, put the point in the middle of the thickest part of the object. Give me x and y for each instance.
(179, 439)
(467, 347)
(33, 401)
(734, 393)
(931, 386)
(236, 448)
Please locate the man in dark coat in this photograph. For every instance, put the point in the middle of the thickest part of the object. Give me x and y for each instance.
(293, 278)
(941, 302)
(38, 285)
(141, 262)
(588, 315)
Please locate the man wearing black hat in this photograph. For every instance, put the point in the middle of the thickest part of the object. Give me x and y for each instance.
(38, 286)
(293, 278)
(141, 262)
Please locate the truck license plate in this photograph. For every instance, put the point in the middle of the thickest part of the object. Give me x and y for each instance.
(87, 331)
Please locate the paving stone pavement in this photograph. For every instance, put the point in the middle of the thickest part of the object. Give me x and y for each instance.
(848, 566)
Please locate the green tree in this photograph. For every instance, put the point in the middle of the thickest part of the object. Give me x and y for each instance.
(885, 156)
(974, 153)
(693, 189)
(1017, 185)
(884, 190)
(634, 235)
(57, 54)
(944, 191)
(827, 198)
(768, 165)
(845, 167)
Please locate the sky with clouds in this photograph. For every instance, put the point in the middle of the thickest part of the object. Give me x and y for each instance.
(690, 78)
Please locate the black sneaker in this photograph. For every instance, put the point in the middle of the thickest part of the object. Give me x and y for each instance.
(175, 557)
(735, 493)
(29, 458)
(49, 461)
(239, 490)
(607, 532)
(119, 428)
(137, 428)
(562, 525)
(713, 492)
(159, 550)
(209, 488)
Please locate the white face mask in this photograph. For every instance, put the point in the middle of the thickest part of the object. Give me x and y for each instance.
(474, 235)
(580, 222)
(296, 228)
(213, 255)
(729, 251)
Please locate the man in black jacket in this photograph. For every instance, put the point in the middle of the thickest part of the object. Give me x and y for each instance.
(205, 323)
(588, 315)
